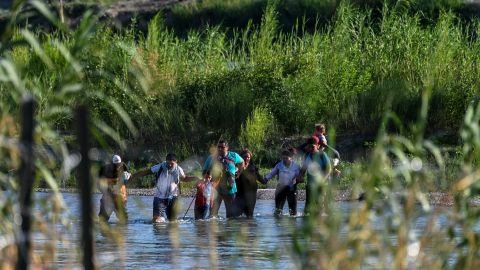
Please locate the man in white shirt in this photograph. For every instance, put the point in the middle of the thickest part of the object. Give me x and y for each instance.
(168, 175)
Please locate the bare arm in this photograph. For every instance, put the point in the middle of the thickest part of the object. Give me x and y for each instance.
(260, 178)
(240, 168)
(301, 174)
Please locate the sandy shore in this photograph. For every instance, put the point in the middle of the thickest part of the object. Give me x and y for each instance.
(435, 198)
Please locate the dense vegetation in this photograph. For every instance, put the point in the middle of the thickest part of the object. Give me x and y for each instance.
(221, 82)
(388, 72)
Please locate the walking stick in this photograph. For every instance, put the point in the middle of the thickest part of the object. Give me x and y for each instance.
(188, 207)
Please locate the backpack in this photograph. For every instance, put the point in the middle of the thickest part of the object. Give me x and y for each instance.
(157, 175)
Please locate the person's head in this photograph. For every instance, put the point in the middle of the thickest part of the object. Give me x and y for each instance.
(246, 155)
(116, 159)
(292, 150)
(312, 144)
(171, 160)
(222, 148)
(319, 129)
(287, 157)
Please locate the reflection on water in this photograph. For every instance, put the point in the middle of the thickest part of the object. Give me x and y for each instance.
(260, 243)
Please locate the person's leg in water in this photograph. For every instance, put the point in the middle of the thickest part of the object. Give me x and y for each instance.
(241, 206)
(308, 198)
(201, 211)
(292, 202)
(171, 210)
(159, 210)
(250, 201)
(230, 206)
(121, 208)
(106, 207)
(280, 198)
(215, 204)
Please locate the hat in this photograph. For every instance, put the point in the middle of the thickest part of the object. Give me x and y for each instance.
(116, 159)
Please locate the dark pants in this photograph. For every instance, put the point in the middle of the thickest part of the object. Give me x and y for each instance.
(313, 196)
(229, 200)
(113, 202)
(165, 208)
(286, 194)
(246, 203)
(201, 212)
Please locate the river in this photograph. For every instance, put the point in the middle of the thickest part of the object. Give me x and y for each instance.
(263, 242)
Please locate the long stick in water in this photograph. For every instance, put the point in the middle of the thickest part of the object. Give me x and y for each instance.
(189, 207)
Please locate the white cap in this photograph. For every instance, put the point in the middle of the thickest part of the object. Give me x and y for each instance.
(116, 159)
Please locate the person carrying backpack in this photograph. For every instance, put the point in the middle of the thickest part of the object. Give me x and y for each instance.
(168, 175)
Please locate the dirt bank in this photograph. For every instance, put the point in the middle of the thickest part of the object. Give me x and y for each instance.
(435, 198)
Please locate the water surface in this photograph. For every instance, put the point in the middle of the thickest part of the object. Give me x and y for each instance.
(263, 242)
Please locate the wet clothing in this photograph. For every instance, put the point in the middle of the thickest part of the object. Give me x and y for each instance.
(166, 190)
(113, 178)
(318, 169)
(164, 208)
(111, 203)
(166, 185)
(201, 212)
(230, 206)
(290, 195)
(286, 186)
(202, 199)
(247, 190)
(222, 170)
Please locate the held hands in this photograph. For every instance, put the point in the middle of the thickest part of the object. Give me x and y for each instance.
(264, 180)
(300, 179)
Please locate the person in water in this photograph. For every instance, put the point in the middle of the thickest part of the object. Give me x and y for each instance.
(318, 168)
(203, 197)
(223, 166)
(168, 175)
(112, 184)
(320, 134)
(287, 172)
(247, 186)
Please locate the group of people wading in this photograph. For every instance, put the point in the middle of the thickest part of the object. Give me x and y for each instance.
(228, 177)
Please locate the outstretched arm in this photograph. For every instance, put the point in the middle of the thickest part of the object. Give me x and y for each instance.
(271, 174)
(190, 178)
(259, 177)
(141, 173)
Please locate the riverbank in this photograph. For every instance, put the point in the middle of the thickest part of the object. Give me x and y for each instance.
(434, 198)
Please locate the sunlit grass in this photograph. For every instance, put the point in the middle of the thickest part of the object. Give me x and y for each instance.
(395, 77)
